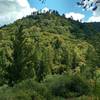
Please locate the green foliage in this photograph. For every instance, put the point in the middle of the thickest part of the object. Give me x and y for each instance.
(44, 47)
(67, 86)
(26, 90)
(54, 87)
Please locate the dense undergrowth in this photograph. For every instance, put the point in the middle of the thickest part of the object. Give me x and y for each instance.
(45, 56)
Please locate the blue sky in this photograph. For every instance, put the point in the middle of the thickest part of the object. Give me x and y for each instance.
(63, 6)
(11, 10)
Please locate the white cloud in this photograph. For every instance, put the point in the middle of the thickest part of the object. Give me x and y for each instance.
(44, 10)
(23, 3)
(94, 19)
(97, 12)
(75, 16)
(96, 15)
(11, 10)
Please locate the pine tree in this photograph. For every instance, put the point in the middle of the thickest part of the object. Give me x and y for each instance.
(21, 67)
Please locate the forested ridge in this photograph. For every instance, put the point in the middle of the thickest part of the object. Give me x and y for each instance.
(45, 56)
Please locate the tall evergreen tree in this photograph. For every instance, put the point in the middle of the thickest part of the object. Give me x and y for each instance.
(20, 68)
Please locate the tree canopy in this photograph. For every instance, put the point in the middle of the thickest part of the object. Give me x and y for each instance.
(49, 53)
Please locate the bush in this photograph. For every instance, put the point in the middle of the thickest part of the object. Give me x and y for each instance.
(67, 86)
(26, 90)
(79, 85)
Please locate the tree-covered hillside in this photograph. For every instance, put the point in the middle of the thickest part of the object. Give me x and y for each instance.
(45, 56)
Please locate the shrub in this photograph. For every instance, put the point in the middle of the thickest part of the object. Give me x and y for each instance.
(67, 86)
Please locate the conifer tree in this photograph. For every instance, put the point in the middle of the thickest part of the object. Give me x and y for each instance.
(20, 68)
